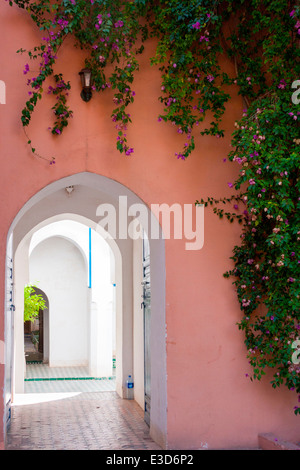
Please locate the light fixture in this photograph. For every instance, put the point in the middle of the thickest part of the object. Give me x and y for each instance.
(69, 189)
(86, 83)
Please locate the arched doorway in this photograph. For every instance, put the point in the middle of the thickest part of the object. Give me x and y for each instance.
(36, 342)
(89, 191)
(58, 267)
(76, 266)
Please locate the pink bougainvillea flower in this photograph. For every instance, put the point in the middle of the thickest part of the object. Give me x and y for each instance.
(196, 25)
(26, 69)
(119, 24)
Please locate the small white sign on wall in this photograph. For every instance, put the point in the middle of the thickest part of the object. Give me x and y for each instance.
(2, 92)
(2, 352)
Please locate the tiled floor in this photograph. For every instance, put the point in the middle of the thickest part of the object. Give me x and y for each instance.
(36, 370)
(40, 378)
(71, 415)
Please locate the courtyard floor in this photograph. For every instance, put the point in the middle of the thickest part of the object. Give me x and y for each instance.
(64, 409)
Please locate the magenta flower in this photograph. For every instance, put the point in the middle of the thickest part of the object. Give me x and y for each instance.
(197, 25)
(282, 84)
(26, 70)
(119, 24)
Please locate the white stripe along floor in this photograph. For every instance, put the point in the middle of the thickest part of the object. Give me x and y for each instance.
(40, 378)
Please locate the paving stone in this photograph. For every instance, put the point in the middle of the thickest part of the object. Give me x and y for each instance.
(58, 414)
(100, 420)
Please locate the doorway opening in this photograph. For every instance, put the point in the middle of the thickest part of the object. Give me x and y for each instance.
(75, 266)
(138, 346)
(35, 345)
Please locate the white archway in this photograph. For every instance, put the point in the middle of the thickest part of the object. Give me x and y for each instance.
(99, 309)
(21, 277)
(58, 267)
(53, 203)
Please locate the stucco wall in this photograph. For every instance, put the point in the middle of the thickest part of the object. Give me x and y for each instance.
(211, 404)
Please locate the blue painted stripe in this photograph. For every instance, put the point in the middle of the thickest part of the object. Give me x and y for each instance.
(90, 258)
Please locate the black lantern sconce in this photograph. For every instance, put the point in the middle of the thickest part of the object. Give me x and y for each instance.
(86, 83)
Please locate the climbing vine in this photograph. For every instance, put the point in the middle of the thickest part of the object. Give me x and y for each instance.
(114, 33)
(266, 198)
(261, 38)
(266, 263)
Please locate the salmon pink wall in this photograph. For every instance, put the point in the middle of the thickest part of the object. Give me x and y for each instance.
(211, 404)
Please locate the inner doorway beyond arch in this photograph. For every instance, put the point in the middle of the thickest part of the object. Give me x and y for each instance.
(75, 265)
(36, 340)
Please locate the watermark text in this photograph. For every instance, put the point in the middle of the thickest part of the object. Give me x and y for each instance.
(162, 221)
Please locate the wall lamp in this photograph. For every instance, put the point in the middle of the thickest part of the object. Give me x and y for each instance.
(69, 189)
(86, 83)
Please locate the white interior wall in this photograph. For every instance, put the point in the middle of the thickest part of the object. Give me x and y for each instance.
(138, 323)
(21, 278)
(101, 305)
(59, 268)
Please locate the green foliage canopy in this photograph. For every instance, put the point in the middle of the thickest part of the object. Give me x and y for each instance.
(33, 303)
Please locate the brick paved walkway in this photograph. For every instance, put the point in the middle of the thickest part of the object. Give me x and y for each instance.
(79, 421)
